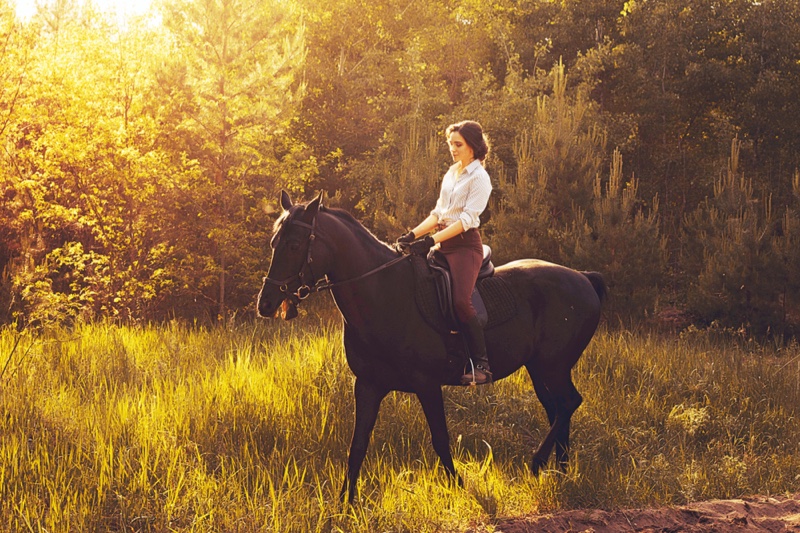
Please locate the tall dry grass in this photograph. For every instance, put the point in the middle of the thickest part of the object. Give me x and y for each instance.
(246, 428)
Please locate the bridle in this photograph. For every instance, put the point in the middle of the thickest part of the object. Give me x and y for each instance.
(305, 289)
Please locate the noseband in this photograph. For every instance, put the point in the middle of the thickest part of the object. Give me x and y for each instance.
(304, 290)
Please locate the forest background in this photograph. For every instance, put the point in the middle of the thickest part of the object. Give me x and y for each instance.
(655, 141)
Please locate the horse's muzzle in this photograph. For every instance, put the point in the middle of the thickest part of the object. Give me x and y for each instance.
(285, 308)
(267, 306)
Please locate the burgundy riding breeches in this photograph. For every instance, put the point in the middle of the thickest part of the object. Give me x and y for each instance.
(464, 254)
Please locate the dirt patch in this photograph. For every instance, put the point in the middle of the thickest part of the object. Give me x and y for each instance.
(756, 513)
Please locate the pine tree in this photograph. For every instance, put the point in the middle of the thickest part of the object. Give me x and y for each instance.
(620, 238)
(558, 149)
(729, 255)
(227, 94)
(401, 185)
(521, 224)
(787, 250)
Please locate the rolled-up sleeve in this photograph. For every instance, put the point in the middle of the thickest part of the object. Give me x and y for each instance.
(438, 210)
(441, 204)
(478, 197)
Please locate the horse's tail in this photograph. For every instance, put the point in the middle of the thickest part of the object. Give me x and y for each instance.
(599, 284)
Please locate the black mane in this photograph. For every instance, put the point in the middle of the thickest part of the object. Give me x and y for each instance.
(359, 229)
(341, 215)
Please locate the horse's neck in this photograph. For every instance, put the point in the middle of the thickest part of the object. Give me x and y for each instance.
(354, 250)
(363, 303)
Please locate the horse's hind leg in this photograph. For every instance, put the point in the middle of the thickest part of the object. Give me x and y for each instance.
(549, 404)
(562, 438)
(560, 399)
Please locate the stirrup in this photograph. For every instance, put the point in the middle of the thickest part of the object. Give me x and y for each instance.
(469, 379)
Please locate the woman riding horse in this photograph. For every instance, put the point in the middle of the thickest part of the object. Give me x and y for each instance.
(463, 197)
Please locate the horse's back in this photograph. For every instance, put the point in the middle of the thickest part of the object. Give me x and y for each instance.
(545, 279)
(560, 298)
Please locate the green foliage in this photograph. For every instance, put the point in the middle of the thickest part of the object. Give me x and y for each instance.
(234, 64)
(371, 64)
(558, 151)
(401, 184)
(521, 219)
(681, 78)
(135, 179)
(79, 171)
(745, 269)
(140, 163)
(622, 241)
(786, 244)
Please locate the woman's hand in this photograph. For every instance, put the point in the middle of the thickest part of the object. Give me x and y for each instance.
(421, 246)
(407, 238)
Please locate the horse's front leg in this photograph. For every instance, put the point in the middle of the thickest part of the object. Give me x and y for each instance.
(368, 401)
(433, 407)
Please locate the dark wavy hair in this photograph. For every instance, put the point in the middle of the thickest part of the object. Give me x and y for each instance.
(473, 134)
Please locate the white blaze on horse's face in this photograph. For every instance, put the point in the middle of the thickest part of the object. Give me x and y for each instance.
(459, 149)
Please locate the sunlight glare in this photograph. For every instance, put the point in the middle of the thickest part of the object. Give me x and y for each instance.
(123, 9)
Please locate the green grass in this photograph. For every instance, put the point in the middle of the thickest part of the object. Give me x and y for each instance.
(246, 428)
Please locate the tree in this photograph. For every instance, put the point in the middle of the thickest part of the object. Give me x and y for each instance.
(621, 238)
(374, 67)
(401, 184)
(226, 96)
(17, 44)
(558, 151)
(787, 249)
(735, 276)
(82, 169)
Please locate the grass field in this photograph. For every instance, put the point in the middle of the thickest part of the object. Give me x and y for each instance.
(246, 428)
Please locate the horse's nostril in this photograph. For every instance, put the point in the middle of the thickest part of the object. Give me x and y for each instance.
(263, 305)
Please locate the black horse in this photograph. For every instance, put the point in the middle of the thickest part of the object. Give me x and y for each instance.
(389, 346)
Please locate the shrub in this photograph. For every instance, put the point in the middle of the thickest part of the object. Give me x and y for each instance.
(739, 256)
(617, 237)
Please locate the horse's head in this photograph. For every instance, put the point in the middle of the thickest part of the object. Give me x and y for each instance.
(290, 276)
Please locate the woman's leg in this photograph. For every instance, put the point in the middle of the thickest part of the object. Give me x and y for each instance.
(464, 257)
(464, 267)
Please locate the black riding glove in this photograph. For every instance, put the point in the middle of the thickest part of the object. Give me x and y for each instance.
(421, 246)
(407, 238)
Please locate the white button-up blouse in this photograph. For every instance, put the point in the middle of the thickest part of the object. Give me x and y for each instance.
(464, 195)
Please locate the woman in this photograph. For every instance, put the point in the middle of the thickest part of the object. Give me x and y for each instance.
(464, 194)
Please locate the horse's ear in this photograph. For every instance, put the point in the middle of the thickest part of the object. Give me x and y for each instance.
(313, 207)
(286, 202)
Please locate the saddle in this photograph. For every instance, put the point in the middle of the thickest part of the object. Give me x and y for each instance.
(492, 298)
(443, 281)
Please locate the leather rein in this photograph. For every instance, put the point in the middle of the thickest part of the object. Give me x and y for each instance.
(304, 290)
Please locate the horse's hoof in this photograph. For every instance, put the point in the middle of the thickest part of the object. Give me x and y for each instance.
(537, 467)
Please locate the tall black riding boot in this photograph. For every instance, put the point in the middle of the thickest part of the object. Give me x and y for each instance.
(478, 373)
